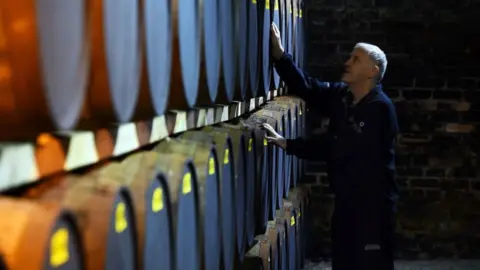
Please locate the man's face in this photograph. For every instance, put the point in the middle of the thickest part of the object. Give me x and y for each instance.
(359, 67)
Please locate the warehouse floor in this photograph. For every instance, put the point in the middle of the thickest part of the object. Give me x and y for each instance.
(416, 265)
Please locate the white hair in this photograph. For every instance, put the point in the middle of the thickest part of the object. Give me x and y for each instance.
(377, 56)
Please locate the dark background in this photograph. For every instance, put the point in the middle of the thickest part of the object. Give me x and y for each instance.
(433, 73)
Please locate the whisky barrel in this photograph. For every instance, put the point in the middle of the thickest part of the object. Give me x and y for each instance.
(241, 49)
(274, 236)
(223, 145)
(227, 34)
(281, 154)
(297, 197)
(38, 236)
(264, 23)
(291, 103)
(278, 20)
(285, 111)
(294, 30)
(259, 257)
(289, 22)
(104, 215)
(270, 162)
(283, 23)
(210, 53)
(152, 205)
(253, 47)
(251, 163)
(205, 159)
(239, 151)
(282, 229)
(289, 215)
(302, 121)
(43, 66)
(300, 31)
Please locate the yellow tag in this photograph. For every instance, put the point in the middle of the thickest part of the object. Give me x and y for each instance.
(226, 157)
(187, 183)
(59, 253)
(254, 1)
(276, 5)
(299, 214)
(300, 13)
(120, 219)
(296, 13)
(250, 144)
(292, 221)
(291, 10)
(267, 4)
(300, 112)
(265, 143)
(157, 200)
(211, 166)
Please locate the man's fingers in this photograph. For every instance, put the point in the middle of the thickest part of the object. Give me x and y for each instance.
(269, 139)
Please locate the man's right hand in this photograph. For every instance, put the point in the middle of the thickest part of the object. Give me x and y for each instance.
(273, 137)
(277, 48)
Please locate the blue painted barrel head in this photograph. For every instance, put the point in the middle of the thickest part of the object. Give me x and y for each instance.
(250, 180)
(240, 200)
(188, 256)
(158, 40)
(121, 239)
(189, 37)
(253, 44)
(273, 180)
(283, 257)
(212, 45)
(228, 46)
(242, 43)
(292, 243)
(228, 208)
(266, 65)
(290, 26)
(211, 212)
(122, 41)
(277, 21)
(65, 233)
(276, 261)
(280, 169)
(159, 239)
(266, 203)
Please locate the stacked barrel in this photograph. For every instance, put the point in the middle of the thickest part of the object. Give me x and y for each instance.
(218, 197)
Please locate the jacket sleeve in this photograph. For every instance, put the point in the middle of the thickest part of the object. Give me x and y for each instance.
(315, 148)
(302, 85)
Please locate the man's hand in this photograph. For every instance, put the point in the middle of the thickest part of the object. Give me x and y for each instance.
(273, 137)
(277, 48)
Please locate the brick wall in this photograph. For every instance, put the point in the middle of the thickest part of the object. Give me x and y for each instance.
(433, 76)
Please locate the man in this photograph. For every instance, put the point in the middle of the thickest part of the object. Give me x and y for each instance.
(358, 149)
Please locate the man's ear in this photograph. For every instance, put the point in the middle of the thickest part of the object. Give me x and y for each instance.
(375, 71)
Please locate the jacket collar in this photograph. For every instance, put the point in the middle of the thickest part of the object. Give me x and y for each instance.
(368, 97)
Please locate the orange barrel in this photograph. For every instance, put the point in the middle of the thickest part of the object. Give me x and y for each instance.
(223, 144)
(239, 148)
(241, 49)
(282, 229)
(250, 177)
(152, 207)
(284, 109)
(261, 190)
(270, 162)
(275, 239)
(264, 24)
(43, 66)
(228, 63)
(279, 21)
(281, 168)
(253, 47)
(205, 159)
(293, 104)
(104, 213)
(38, 235)
(259, 257)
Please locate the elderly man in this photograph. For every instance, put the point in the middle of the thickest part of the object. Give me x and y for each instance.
(358, 149)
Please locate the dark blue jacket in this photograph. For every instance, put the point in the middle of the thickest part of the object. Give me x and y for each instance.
(359, 145)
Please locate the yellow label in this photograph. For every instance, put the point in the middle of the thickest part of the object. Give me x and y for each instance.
(291, 10)
(59, 253)
(250, 144)
(276, 5)
(267, 4)
(298, 215)
(187, 183)
(254, 1)
(120, 218)
(296, 13)
(157, 200)
(301, 13)
(226, 157)
(300, 112)
(265, 143)
(292, 221)
(211, 166)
